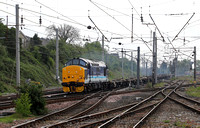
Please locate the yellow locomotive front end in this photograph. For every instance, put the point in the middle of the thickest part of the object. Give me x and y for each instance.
(73, 78)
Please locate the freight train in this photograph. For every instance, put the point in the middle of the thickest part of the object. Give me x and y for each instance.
(81, 74)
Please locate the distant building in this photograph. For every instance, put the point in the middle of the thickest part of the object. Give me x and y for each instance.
(115, 54)
(45, 41)
(24, 40)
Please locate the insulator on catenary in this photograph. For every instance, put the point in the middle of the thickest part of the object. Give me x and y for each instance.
(141, 18)
(22, 19)
(40, 21)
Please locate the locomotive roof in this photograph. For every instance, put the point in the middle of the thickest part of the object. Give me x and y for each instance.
(94, 63)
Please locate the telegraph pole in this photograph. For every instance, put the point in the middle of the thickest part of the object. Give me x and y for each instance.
(122, 64)
(132, 64)
(146, 67)
(175, 64)
(7, 21)
(103, 48)
(57, 56)
(155, 59)
(195, 66)
(138, 67)
(132, 28)
(154, 72)
(132, 42)
(17, 47)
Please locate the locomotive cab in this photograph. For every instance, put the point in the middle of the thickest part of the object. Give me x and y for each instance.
(79, 74)
(73, 75)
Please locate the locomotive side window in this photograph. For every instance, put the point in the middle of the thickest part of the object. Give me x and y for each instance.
(93, 71)
(69, 63)
(82, 63)
(97, 71)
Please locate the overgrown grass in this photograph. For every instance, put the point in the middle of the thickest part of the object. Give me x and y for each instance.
(10, 119)
(162, 84)
(192, 91)
(166, 121)
(182, 124)
(30, 67)
(189, 78)
(173, 79)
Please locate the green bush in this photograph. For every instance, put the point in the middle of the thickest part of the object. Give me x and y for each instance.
(23, 104)
(37, 101)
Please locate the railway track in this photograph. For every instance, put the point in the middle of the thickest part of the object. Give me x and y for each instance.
(185, 101)
(137, 111)
(55, 98)
(78, 109)
(100, 116)
(179, 110)
(8, 101)
(59, 92)
(92, 116)
(75, 111)
(137, 119)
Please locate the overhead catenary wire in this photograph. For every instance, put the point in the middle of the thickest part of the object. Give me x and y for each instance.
(55, 18)
(109, 32)
(60, 13)
(134, 8)
(157, 28)
(183, 27)
(110, 15)
(112, 9)
(37, 24)
(117, 21)
(98, 28)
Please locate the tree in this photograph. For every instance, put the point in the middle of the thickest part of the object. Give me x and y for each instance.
(36, 96)
(8, 39)
(35, 40)
(66, 33)
(23, 105)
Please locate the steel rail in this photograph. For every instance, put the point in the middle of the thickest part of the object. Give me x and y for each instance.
(92, 107)
(86, 117)
(121, 114)
(189, 99)
(32, 123)
(126, 114)
(185, 105)
(139, 123)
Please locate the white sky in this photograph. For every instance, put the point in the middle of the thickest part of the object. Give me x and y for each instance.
(115, 21)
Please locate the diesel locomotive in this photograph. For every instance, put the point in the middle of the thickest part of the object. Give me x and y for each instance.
(81, 74)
